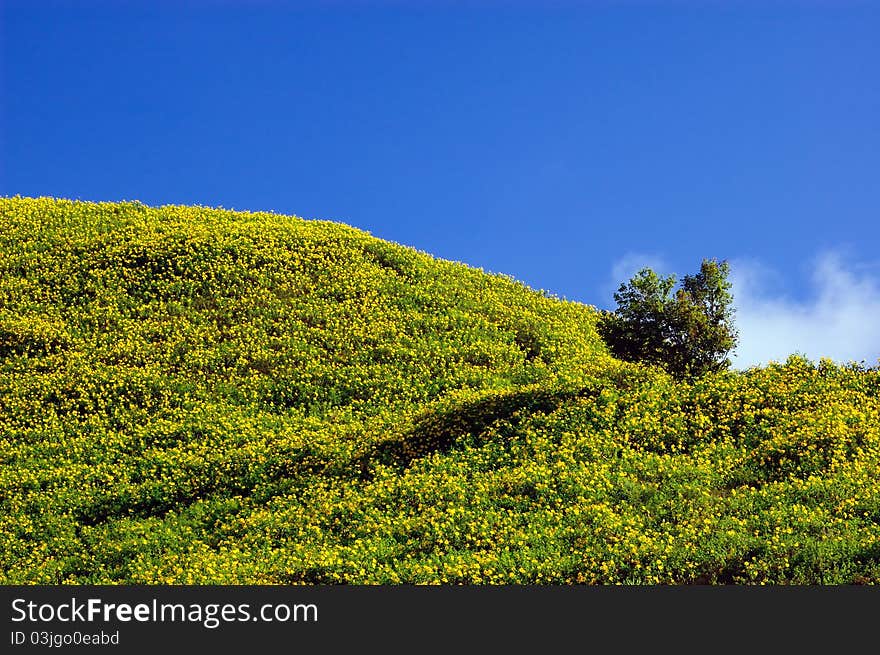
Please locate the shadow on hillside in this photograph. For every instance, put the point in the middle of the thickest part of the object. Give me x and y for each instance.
(437, 431)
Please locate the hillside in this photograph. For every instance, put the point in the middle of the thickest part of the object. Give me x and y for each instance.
(191, 395)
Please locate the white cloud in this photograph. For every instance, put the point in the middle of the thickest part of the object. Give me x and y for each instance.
(630, 264)
(840, 318)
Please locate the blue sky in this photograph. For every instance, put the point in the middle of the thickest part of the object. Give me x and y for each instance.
(562, 143)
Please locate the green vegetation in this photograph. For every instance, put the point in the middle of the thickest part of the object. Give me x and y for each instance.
(196, 395)
(689, 333)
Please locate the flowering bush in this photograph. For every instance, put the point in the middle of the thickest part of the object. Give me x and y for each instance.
(190, 395)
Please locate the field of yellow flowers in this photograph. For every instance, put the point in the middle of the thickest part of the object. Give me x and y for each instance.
(192, 395)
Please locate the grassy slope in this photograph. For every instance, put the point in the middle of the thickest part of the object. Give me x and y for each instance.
(196, 395)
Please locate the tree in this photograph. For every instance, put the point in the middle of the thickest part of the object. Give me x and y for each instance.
(689, 332)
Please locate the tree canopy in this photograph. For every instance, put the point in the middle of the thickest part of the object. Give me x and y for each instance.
(689, 331)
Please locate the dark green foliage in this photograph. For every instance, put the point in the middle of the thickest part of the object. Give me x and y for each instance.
(689, 332)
